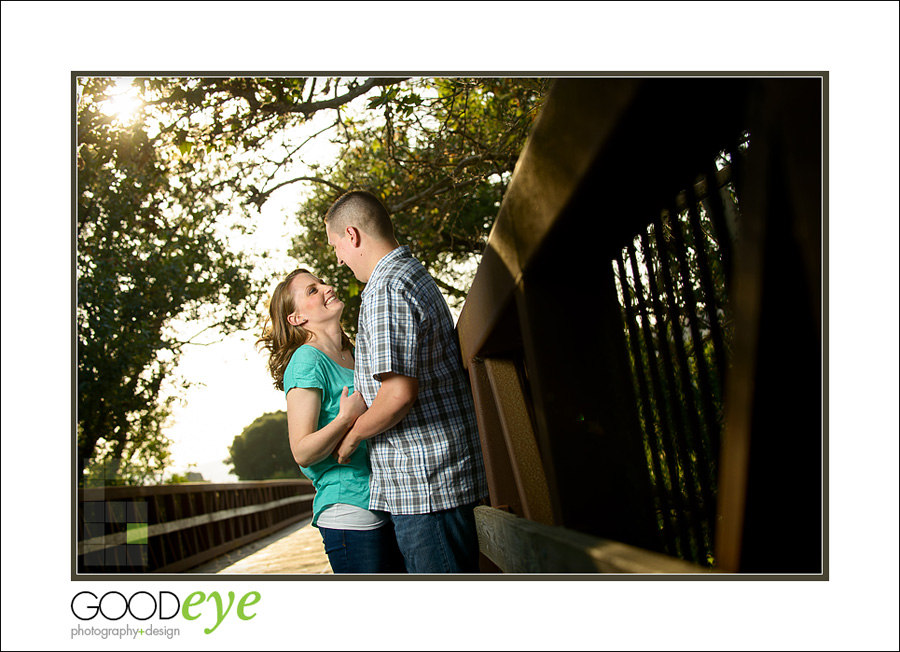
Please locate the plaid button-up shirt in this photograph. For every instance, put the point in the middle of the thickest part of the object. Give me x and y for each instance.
(431, 460)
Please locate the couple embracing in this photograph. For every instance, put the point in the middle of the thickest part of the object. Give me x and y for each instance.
(385, 431)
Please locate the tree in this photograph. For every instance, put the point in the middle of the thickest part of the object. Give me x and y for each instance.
(161, 195)
(148, 251)
(440, 159)
(438, 151)
(262, 451)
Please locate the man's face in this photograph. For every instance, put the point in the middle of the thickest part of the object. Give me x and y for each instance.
(340, 243)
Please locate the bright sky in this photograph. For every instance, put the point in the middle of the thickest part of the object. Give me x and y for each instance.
(232, 385)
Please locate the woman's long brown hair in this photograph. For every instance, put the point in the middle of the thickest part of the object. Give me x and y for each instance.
(281, 338)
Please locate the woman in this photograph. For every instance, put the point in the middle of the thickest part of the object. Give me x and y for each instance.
(311, 360)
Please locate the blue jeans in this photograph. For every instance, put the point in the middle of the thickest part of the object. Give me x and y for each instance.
(363, 551)
(439, 542)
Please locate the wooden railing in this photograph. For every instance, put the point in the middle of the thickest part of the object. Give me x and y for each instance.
(520, 545)
(172, 528)
(643, 334)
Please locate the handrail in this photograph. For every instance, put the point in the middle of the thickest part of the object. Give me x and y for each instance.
(119, 538)
(172, 528)
(510, 542)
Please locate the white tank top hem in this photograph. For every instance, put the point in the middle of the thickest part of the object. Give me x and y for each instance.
(341, 516)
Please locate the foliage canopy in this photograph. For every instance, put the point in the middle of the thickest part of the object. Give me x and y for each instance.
(164, 193)
(440, 159)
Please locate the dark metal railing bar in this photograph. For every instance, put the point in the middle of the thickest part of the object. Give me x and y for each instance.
(711, 184)
(228, 530)
(209, 532)
(185, 549)
(692, 427)
(219, 532)
(692, 313)
(258, 520)
(240, 499)
(664, 317)
(167, 552)
(206, 532)
(195, 545)
(669, 529)
(702, 478)
(179, 538)
(154, 545)
(738, 168)
(689, 527)
(709, 294)
(170, 554)
(715, 208)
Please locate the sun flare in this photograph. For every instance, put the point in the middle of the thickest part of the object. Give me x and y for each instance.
(123, 101)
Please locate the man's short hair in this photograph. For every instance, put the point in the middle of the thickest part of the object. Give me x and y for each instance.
(364, 211)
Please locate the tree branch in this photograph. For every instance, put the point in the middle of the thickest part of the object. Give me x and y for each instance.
(260, 198)
(456, 292)
(308, 108)
(441, 186)
(290, 154)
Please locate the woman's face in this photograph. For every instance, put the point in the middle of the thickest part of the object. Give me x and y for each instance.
(314, 302)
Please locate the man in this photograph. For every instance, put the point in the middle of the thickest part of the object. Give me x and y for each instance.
(427, 470)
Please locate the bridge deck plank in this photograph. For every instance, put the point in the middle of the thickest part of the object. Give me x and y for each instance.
(295, 550)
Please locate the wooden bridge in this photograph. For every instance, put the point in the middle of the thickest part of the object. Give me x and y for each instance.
(294, 550)
(644, 339)
(644, 332)
(183, 527)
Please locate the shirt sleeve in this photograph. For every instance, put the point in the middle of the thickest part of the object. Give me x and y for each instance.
(304, 370)
(394, 328)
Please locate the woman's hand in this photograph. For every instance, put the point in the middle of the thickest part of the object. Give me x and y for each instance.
(395, 398)
(352, 407)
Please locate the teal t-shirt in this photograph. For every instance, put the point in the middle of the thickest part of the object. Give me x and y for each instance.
(334, 483)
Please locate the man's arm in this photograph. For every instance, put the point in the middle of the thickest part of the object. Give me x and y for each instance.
(393, 401)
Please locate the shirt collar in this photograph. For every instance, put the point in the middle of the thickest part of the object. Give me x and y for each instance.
(382, 266)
